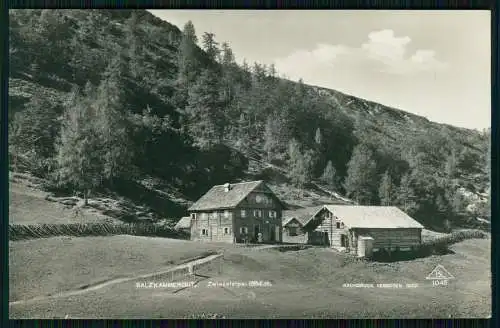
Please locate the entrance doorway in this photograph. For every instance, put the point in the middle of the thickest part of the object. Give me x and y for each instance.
(256, 232)
(343, 240)
(272, 234)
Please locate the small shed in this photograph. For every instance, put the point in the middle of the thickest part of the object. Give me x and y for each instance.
(294, 222)
(184, 224)
(365, 246)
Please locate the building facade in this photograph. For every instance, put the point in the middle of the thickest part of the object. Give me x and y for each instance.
(237, 213)
(346, 227)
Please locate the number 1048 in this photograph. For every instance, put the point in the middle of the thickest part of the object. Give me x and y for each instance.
(440, 282)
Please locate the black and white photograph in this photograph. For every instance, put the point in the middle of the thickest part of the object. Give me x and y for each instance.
(248, 164)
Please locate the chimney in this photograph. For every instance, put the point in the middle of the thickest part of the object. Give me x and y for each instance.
(227, 187)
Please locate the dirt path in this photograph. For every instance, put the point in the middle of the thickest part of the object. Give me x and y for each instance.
(93, 287)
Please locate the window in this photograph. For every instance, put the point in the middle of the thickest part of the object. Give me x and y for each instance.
(226, 214)
(338, 225)
(243, 213)
(257, 213)
(204, 232)
(226, 231)
(272, 214)
(193, 215)
(243, 230)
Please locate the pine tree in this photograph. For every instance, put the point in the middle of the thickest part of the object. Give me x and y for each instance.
(300, 165)
(451, 165)
(210, 46)
(457, 202)
(33, 133)
(228, 59)
(406, 198)
(272, 71)
(271, 137)
(204, 109)
(135, 48)
(111, 124)
(229, 80)
(360, 182)
(386, 193)
(242, 132)
(187, 63)
(442, 207)
(259, 74)
(79, 164)
(329, 176)
(246, 75)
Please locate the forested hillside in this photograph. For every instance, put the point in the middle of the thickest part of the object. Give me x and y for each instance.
(107, 100)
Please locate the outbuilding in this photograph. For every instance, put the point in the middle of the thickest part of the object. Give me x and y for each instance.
(375, 228)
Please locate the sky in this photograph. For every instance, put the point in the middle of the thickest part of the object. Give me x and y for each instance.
(432, 63)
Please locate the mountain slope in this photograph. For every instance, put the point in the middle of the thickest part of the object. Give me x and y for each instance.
(54, 51)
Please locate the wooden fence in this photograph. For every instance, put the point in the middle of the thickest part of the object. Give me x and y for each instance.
(454, 237)
(22, 232)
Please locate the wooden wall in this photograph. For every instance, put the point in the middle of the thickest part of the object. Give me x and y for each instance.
(327, 223)
(214, 222)
(392, 238)
(266, 223)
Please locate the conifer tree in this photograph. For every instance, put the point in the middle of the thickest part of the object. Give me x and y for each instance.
(406, 198)
(329, 176)
(271, 137)
(360, 182)
(33, 132)
(187, 63)
(386, 192)
(79, 163)
(111, 124)
(210, 46)
(204, 111)
(300, 165)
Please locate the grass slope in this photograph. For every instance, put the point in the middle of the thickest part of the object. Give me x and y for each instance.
(51, 265)
(307, 283)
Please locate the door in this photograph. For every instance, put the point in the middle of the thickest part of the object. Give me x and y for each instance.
(272, 234)
(256, 232)
(343, 240)
(326, 238)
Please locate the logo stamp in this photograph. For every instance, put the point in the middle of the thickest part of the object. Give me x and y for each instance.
(439, 276)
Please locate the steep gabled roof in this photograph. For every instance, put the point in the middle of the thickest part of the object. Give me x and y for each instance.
(183, 223)
(303, 215)
(218, 198)
(388, 217)
(287, 220)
